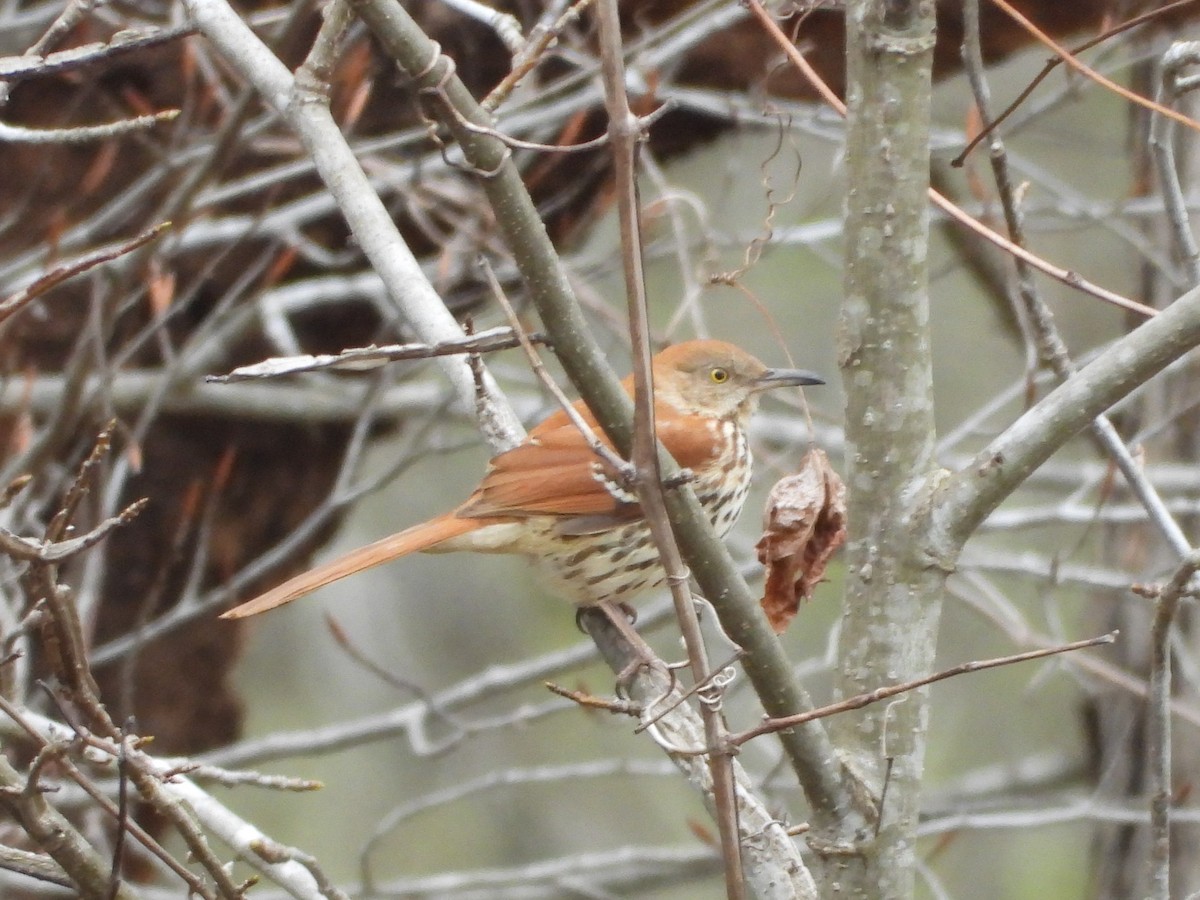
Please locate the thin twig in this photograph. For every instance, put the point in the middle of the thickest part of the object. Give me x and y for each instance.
(1162, 144)
(624, 132)
(87, 869)
(1159, 726)
(59, 274)
(1052, 64)
(35, 65)
(541, 39)
(83, 134)
(593, 144)
(358, 359)
(858, 701)
(1071, 59)
(1066, 276)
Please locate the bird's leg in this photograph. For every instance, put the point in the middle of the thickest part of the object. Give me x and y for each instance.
(628, 609)
(623, 616)
(618, 640)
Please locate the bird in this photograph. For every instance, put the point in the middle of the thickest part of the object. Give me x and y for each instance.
(554, 500)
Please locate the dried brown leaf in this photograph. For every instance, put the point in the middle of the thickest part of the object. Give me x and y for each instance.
(804, 523)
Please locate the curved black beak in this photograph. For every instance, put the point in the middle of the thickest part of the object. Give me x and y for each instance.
(773, 378)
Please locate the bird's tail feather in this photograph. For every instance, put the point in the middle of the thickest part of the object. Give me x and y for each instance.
(411, 540)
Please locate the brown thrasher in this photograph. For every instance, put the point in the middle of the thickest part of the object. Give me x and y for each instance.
(555, 501)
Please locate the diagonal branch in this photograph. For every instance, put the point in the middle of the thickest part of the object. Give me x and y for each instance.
(809, 749)
(307, 112)
(858, 701)
(966, 498)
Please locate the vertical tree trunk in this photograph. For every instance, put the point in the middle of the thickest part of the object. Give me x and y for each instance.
(892, 603)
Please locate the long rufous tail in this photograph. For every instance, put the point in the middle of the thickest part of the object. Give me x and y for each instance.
(411, 540)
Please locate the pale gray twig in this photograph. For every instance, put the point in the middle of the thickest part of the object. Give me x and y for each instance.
(83, 134)
(564, 776)
(363, 358)
(1162, 789)
(307, 111)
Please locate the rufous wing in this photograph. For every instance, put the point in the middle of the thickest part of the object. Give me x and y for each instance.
(557, 473)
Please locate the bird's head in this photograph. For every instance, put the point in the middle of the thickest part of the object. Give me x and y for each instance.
(717, 379)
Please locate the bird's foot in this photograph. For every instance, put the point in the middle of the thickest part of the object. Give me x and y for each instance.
(628, 610)
(611, 625)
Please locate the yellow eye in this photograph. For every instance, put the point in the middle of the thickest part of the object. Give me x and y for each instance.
(719, 375)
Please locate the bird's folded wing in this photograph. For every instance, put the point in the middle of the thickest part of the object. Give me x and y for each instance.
(557, 473)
